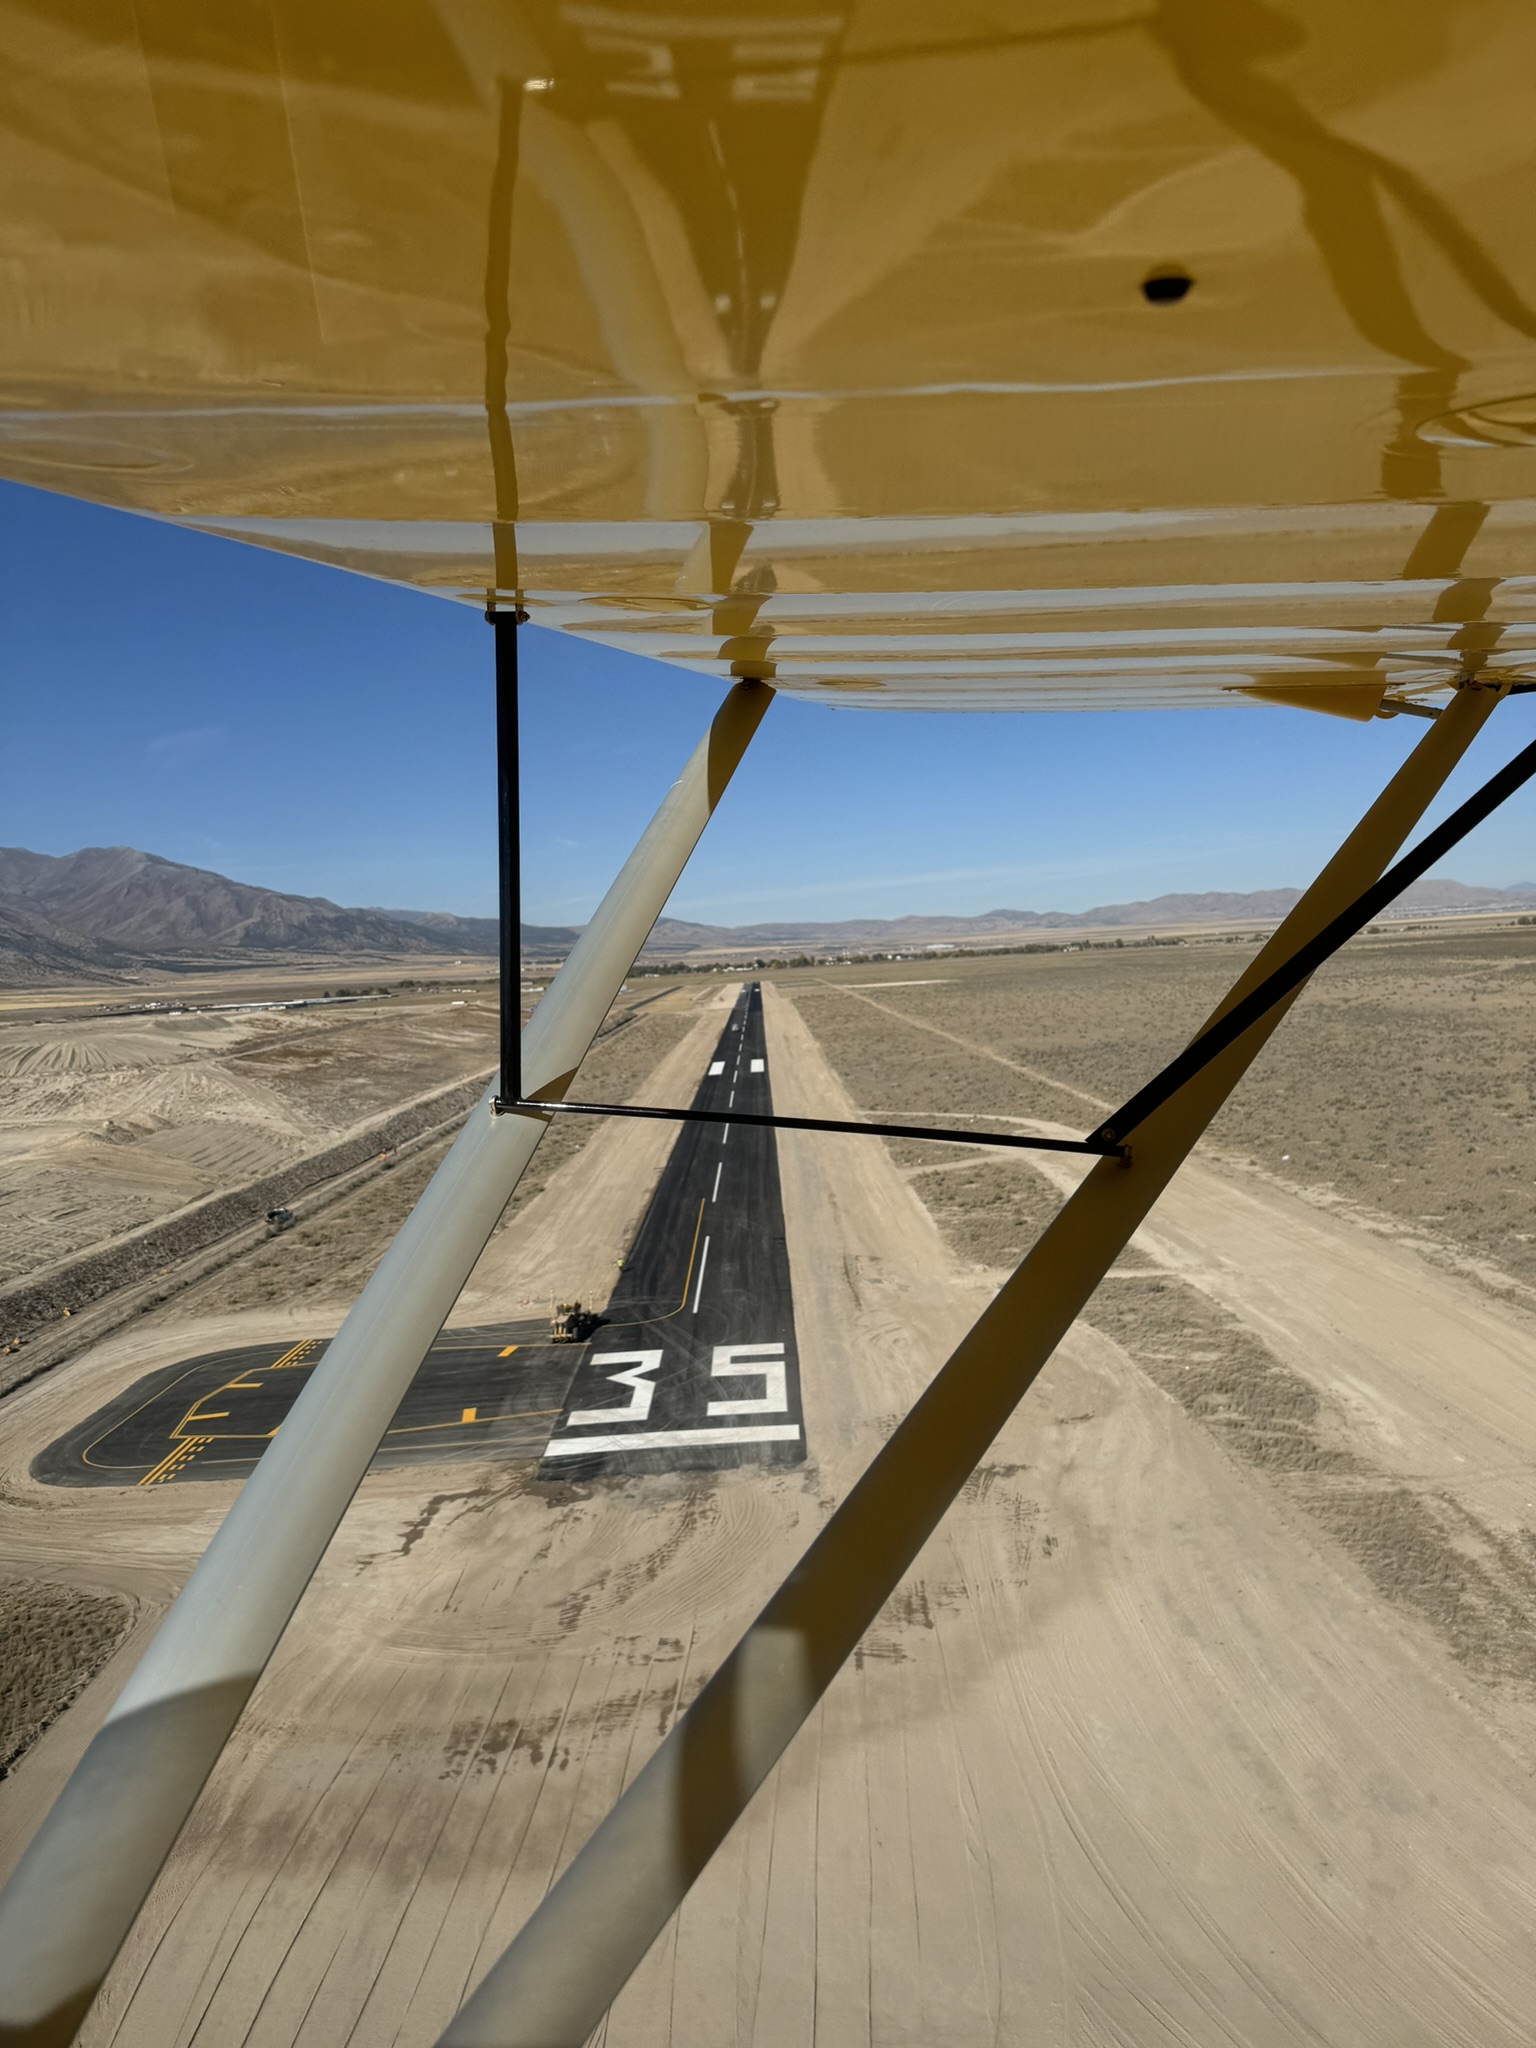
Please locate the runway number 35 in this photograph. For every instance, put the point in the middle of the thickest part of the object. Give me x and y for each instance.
(763, 1362)
(755, 1361)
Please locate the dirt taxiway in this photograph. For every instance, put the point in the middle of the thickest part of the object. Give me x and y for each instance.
(1150, 1746)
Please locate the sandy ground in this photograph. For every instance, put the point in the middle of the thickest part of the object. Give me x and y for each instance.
(113, 1122)
(1178, 1732)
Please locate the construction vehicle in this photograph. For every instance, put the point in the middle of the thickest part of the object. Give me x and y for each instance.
(571, 1323)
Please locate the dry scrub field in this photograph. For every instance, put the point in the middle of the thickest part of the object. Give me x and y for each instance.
(1402, 1085)
(322, 1262)
(56, 1639)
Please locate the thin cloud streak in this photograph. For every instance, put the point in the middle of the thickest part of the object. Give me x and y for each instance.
(1156, 872)
(171, 751)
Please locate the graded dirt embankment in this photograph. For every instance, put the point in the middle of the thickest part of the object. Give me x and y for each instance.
(111, 1124)
(408, 1037)
(1139, 1751)
(323, 1260)
(78, 1283)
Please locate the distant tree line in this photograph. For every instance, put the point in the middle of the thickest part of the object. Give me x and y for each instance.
(763, 962)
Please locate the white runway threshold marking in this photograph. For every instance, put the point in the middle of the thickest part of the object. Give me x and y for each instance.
(672, 1439)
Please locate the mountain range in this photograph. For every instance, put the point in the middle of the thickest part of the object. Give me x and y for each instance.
(1002, 927)
(108, 912)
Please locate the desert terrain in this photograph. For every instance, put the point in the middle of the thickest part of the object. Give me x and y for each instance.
(1207, 1717)
(112, 1122)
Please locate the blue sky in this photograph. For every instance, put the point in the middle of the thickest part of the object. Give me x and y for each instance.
(313, 731)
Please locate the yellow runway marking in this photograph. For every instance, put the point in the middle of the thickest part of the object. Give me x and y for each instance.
(182, 1454)
(85, 1455)
(185, 1446)
(294, 1355)
(640, 1322)
(517, 1415)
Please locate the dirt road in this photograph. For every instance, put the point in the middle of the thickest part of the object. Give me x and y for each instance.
(1148, 1748)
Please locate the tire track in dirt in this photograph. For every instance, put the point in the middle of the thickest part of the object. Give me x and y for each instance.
(1097, 1103)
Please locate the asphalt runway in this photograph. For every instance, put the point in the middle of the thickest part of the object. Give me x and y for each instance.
(695, 1366)
(479, 1391)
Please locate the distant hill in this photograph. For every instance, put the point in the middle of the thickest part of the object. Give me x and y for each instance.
(121, 907)
(1001, 927)
(35, 953)
(107, 911)
(483, 934)
(455, 934)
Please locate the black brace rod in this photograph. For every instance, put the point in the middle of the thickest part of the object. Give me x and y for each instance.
(1099, 1147)
(1309, 957)
(509, 1092)
(504, 626)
